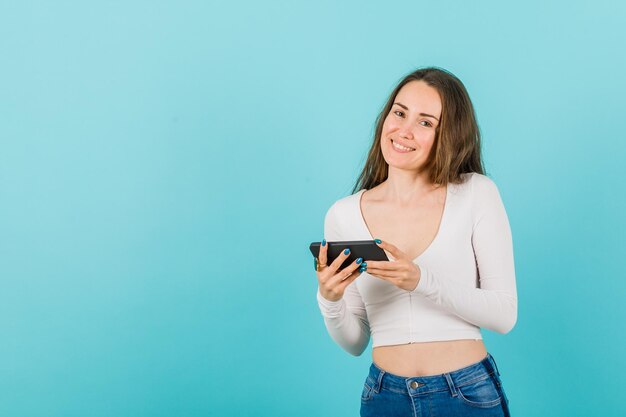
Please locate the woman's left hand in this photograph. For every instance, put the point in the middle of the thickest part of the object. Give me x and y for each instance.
(401, 272)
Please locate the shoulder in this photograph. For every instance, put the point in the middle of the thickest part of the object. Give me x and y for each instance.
(485, 197)
(340, 217)
(344, 204)
(480, 192)
(478, 184)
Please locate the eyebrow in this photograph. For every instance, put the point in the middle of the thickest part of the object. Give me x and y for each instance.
(421, 114)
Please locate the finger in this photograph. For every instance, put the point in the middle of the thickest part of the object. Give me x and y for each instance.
(354, 275)
(382, 273)
(339, 260)
(323, 255)
(387, 265)
(346, 272)
(392, 249)
(338, 282)
(381, 277)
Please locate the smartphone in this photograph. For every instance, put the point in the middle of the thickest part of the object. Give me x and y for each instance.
(366, 249)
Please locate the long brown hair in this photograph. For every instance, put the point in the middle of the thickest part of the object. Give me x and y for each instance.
(456, 149)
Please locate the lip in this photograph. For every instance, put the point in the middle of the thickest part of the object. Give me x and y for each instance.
(402, 144)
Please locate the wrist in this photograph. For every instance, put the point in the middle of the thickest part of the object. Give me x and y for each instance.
(327, 301)
(418, 284)
(331, 309)
(330, 301)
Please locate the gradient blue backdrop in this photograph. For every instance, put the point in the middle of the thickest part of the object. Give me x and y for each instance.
(164, 166)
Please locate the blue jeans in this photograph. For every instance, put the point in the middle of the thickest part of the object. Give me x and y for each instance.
(475, 390)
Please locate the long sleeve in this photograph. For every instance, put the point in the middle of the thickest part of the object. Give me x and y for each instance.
(345, 319)
(493, 304)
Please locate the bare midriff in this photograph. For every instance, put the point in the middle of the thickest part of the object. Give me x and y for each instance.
(429, 358)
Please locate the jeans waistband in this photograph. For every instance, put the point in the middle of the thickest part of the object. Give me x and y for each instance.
(379, 378)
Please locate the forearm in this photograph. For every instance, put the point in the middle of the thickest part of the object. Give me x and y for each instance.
(346, 328)
(495, 310)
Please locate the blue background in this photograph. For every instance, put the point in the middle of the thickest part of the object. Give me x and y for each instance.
(164, 166)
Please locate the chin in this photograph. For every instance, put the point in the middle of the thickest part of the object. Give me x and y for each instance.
(405, 165)
(399, 161)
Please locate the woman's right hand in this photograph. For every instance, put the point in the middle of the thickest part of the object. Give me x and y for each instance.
(332, 281)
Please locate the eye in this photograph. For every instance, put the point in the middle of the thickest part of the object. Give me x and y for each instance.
(429, 124)
(398, 111)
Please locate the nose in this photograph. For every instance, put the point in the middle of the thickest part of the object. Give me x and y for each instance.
(406, 130)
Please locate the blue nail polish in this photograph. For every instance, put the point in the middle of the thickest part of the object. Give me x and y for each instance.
(362, 269)
(358, 261)
(324, 242)
(378, 241)
(364, 265)
(347, 251)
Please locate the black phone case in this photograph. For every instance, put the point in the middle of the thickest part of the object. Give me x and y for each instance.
(366, 249)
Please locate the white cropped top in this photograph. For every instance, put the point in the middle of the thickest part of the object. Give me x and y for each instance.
(467, 276)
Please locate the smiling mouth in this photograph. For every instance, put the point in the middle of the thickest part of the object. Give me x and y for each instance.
(401, 148)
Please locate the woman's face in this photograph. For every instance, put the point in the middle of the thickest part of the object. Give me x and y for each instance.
(409, 129)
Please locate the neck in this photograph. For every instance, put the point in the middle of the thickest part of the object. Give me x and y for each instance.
(406, 187)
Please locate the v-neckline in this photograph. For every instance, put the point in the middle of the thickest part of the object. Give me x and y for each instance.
(432, 242)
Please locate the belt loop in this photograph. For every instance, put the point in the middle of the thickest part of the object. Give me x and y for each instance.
(450, 384)
(379, 381)
(493, 362)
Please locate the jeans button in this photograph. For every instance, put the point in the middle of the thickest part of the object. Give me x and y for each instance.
(414, 384)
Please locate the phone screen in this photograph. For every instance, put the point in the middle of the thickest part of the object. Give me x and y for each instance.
(366, 249)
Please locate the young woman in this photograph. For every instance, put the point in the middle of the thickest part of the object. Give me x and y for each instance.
(424, 198)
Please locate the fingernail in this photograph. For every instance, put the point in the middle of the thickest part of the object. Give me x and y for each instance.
(362, 269)
(347, 251)
(324, 242)
(358, 261)
(364, 265)
(378, 241)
